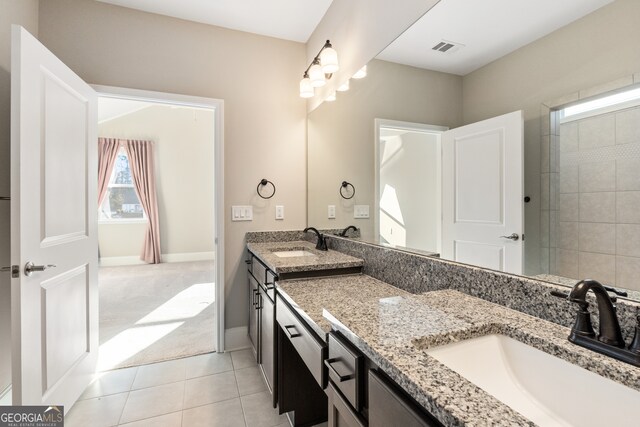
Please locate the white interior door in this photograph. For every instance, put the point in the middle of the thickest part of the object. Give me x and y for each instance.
(53, 222)
(482, 177)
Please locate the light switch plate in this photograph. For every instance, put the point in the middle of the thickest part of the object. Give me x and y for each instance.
(331, 211)
(279, 212)
(241, 213)
(361, 211)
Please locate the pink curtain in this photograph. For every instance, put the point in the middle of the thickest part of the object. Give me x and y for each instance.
(107, 155)
(141, 162)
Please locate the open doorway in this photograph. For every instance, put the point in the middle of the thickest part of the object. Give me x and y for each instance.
(408, 184)
(163, 304)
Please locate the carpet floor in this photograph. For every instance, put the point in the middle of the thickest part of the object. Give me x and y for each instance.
(150, 313)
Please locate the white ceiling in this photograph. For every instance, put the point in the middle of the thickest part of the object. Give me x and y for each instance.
(285, 19)
(112, 108)
(488, 29)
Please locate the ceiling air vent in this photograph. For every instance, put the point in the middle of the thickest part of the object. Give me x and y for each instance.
(447, 47)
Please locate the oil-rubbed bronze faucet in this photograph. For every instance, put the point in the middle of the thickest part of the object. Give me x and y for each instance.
(322, 243)
(610, 332)
(609, 340)
(344, 232)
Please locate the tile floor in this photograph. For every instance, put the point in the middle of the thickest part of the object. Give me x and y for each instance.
(215, 389)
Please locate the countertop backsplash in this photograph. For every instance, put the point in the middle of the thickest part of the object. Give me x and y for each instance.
(417, 274)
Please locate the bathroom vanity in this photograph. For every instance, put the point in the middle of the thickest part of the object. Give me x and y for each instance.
(357, 351)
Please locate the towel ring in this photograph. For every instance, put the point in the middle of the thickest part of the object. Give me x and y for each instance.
(346, 185)
(263, 182)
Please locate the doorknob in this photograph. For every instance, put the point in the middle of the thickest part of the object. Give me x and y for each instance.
(30, 268)
(513, 236)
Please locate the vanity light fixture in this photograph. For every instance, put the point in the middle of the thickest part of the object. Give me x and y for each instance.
(306, 89)
(361, 73)
(321, 69)
(316, 75)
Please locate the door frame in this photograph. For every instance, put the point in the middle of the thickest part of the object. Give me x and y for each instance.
(217, 105)
(408, 126)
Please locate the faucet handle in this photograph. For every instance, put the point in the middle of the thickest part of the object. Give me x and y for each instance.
(616, 291)
(582, 325)
(558, 294)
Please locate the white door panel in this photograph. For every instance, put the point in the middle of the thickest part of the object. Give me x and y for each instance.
(54, 191)
(479, 185)
(482, 178)
(486, 255)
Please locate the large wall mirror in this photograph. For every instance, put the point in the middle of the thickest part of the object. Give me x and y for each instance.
(579, 184)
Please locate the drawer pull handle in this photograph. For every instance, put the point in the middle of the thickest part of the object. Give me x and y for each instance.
(255, 295)
(329, 364)
(294, 335)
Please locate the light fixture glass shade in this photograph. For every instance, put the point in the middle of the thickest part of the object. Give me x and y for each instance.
(317, 76)
(306, 90)
(344, 87)
(361, 73)
(331, 97)
(329, 60)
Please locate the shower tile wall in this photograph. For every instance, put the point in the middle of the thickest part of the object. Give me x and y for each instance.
(595, 231)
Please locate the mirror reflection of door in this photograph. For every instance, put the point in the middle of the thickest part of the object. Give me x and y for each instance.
(482, 193)
(456, 193)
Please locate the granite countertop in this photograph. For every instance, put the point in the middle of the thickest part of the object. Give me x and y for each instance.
(393, 328)
(323, 260)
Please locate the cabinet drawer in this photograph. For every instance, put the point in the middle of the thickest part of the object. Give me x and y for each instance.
(345, 367)
(303, 340)
(258, 270)
(388, 406)
(340, 413)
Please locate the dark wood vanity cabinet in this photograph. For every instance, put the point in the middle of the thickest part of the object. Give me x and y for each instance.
(389, 406)
(301, 373)
(359, 394)
(341, 414)
(262, 326)
(268, 349)
(254, 316)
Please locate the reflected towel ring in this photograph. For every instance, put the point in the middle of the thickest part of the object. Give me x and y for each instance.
(262, 183)
(346, 185)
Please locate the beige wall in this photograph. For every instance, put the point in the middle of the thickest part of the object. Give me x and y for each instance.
(341, 134)
(25, 13)
(597, 49)
(359, 30)
(256, 77)
(183, 142)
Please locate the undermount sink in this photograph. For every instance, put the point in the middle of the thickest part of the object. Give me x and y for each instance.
(543, 388)
(293, 253)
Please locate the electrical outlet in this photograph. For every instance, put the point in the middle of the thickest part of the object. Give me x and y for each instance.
(331, 212)
(279, 212)
(361, 211)
(241, 213)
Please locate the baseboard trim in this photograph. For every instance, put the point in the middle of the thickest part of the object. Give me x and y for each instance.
(236, 338)
(177, 257)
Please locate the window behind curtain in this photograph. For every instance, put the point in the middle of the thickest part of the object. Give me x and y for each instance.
(121, 202)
